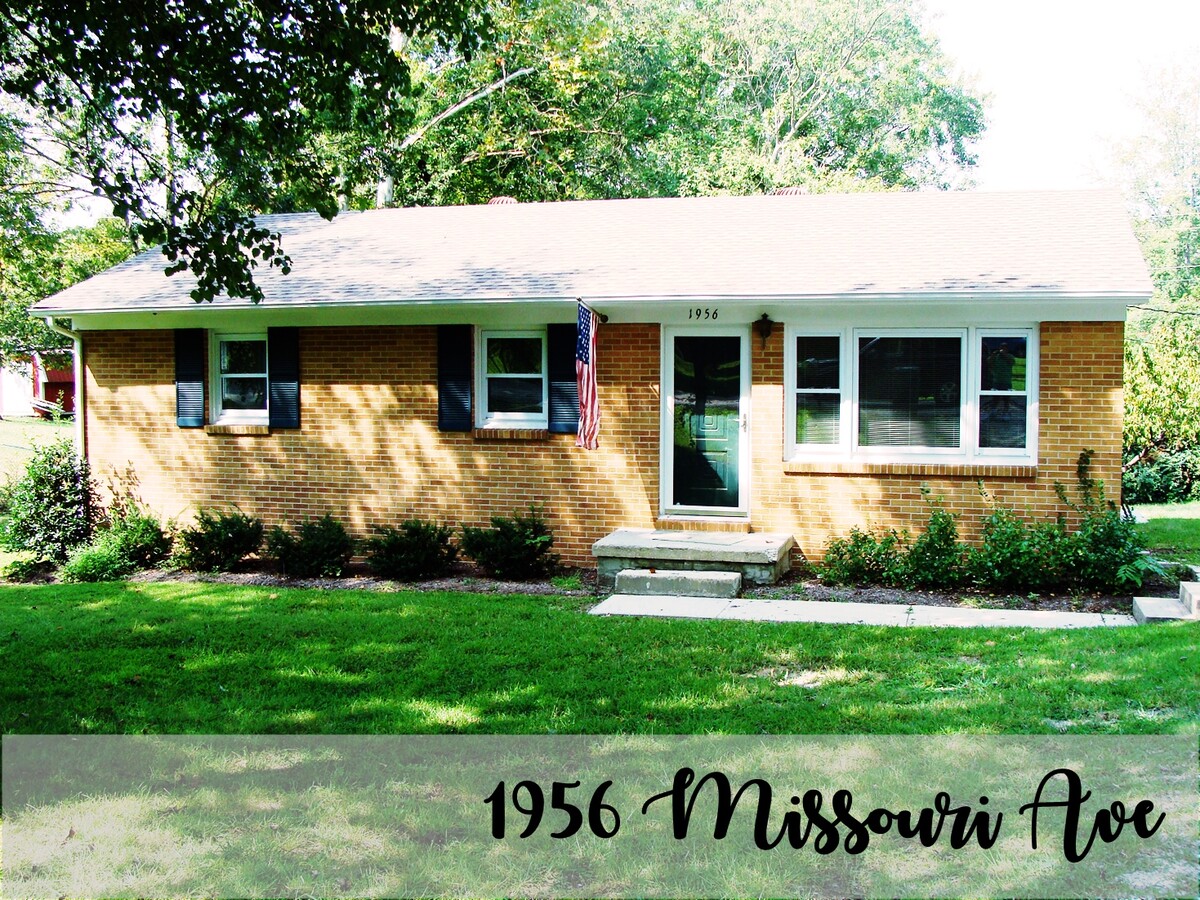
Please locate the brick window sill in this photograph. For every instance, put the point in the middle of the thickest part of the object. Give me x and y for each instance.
(510, 434)
(238, 429)
(922, 470)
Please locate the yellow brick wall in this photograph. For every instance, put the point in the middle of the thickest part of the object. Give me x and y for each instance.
(369, 451)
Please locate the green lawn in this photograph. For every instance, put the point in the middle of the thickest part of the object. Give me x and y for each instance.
(203, 658)
(1173, 530)
(18, 437)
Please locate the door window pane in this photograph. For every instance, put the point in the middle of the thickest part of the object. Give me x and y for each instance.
(910, 391)
(707, 427)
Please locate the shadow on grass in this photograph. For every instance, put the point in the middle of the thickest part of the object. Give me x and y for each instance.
(217, 659)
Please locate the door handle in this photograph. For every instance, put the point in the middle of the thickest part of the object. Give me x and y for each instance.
(743, 422)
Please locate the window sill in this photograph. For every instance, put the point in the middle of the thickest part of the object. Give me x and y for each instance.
(996, 469)
(238, 429)
(510, 434)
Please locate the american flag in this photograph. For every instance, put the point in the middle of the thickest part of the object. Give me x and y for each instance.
(585, 375)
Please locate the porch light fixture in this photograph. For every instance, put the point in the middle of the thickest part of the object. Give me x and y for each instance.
(763, 327)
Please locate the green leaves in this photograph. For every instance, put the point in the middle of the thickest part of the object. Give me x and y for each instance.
(187, 116)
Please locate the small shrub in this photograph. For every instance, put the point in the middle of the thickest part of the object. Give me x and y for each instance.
(1017, 556)
(219, 541)
(319, 549)
(140, 537)
(1101, 554)
(1096, 555)
(100, 561)
(52, 508)
(935, 560)
(863, 558)
(415, 550)
(516, 548)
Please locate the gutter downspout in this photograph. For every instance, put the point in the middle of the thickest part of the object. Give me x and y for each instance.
(80, 390)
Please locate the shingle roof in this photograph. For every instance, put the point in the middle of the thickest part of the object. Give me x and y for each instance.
(898, 245)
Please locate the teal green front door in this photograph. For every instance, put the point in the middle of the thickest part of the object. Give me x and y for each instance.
(707, 421)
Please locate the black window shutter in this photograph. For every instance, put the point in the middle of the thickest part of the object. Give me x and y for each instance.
(190, 346)
(564, 387)
(283, 373)
(454, 377)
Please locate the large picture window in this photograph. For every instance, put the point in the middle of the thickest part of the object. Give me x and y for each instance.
(909, 391)
(940, 394)
(513, 379)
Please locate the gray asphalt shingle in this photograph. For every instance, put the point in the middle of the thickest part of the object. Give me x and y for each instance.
(898, 245)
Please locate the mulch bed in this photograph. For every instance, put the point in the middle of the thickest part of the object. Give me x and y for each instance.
(793, 586)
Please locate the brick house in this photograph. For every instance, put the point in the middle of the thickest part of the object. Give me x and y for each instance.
(795, 364)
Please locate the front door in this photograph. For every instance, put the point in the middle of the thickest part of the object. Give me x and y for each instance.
(707, 454)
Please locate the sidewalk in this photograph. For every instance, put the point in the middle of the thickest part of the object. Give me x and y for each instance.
(849, 613)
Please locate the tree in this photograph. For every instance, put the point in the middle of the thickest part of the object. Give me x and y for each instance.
(1162, 390)
(187, 116)
(41, 262)
(654, 98)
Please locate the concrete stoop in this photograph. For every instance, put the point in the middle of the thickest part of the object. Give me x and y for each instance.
(678, 583)
(759, 558)
(1148, 610)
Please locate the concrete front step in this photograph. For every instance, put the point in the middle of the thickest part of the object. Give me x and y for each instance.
(761, 558)
(1189, 596)
(676, 583)
(1167, 609)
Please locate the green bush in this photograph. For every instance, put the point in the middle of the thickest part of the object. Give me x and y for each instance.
(415, 550)
(936, 558)
(99, 561)
(1169, 478)
(1016, 556)
(52, 508)
(516, 548)
(863, 558)
(319, 549)
(1102, 553)
(140, 537)
(219, 541)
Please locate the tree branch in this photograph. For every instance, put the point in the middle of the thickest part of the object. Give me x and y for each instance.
(461, 105)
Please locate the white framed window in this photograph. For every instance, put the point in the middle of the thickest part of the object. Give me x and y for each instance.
(1006, 370)
(906, 394)
(512, 383)
(238, 367)
(818, 404)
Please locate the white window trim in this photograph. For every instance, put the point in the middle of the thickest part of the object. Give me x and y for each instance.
(968, 451)
(219, 415)
(1032, 364)
(484, 418)
(845, 410)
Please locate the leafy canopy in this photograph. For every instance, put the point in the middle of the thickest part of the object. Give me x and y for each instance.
(186, 115)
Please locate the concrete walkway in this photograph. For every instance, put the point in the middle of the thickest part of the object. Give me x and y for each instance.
(848, 613)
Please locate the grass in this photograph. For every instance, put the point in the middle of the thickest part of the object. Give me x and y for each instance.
(18, 438)
(219, 659)
(1172, 530)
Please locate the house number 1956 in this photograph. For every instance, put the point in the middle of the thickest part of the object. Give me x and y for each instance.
(703, 312)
